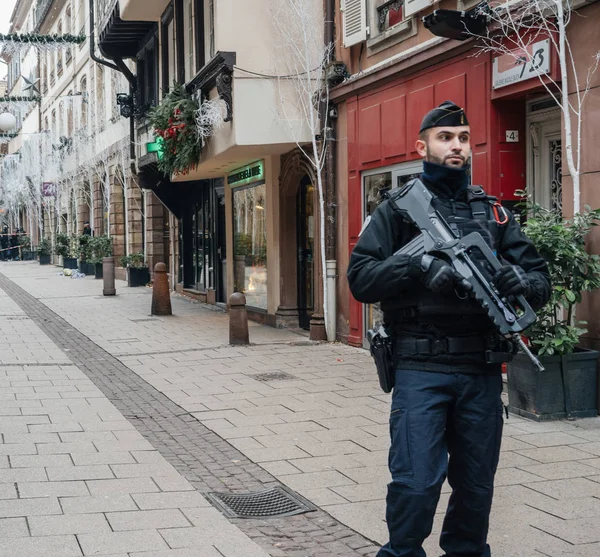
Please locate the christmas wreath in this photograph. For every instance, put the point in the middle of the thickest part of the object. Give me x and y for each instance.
(174, 120)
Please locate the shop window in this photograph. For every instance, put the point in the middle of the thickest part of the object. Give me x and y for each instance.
(387, 24)
(250, 244)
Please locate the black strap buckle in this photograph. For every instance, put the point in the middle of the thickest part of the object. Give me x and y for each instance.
(439, 346)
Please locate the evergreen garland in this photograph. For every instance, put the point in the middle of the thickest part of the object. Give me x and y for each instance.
(174, 119)
(12, 99)
(36, 38)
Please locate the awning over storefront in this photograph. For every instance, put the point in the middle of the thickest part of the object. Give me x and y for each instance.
(150, 178)
(175, 196)
(122, 39)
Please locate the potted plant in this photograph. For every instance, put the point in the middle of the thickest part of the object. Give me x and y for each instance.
(85, 255)
(25, 243)
(568, 386)
(101, 247)
(138, 273)
(44, 250)
(64, 247)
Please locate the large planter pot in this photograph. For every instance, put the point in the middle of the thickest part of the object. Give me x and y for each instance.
(98, 270)
(87, 268)
(70, 263)
(138, 276)
(45, 259)
(567, 388)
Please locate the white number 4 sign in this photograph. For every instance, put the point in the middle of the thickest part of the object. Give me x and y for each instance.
(512, 136)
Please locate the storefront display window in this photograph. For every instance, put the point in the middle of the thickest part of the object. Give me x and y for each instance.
(375, 185)
(250, 244)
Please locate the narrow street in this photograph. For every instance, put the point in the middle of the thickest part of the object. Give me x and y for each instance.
(115, 425)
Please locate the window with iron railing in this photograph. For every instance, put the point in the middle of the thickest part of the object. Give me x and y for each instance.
(68, 56)
(59, 67)
(52, 79)
(388, 24)
(389, 13)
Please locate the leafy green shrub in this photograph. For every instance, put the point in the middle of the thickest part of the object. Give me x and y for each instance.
(85, 247)
(25, 242)
(135, 260)
(44, 247)
(573, 271)
(62, 245)
(100, 247)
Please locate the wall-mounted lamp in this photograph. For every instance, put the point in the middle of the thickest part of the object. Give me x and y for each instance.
(459, 25)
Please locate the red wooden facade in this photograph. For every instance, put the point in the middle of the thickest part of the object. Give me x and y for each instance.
(383, 126)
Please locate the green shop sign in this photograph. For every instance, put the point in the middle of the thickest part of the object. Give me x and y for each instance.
(157, 146)
(254, 172)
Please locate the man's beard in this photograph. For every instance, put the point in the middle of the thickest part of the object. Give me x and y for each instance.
(442, 162)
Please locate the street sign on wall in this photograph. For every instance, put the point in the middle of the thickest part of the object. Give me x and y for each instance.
(521, 65)
(49, 189)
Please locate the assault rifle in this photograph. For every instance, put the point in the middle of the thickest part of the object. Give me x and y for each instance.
(471, 258)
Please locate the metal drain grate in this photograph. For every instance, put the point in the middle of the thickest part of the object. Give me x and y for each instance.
(272, 376)
(270, 503)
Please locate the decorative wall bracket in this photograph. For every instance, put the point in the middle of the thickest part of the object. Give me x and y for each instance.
(217, 73)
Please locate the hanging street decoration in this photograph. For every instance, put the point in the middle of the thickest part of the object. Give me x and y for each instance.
(31, 85)
(35, 38)
(7, 137)
(12, 43)
(19, 99)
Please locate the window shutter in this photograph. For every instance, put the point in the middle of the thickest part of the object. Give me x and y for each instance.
(355, 21)
(411, 7)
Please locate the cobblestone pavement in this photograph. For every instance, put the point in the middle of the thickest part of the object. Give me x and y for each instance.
(206, 460)
(310, 416)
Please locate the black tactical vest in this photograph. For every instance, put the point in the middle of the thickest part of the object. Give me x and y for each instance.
(473, 214)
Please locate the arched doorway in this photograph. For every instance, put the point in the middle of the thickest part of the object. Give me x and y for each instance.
(301, 293)
(305, 220)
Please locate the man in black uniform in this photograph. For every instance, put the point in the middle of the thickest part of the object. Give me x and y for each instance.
(446, 416)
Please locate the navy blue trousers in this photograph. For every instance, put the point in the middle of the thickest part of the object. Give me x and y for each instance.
(442, 425)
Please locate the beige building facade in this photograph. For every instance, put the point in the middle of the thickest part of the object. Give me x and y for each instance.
(246, 217)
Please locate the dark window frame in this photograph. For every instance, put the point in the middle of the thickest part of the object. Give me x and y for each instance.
(200, 34)
(179, 42)
(147, 71)
(166, 20)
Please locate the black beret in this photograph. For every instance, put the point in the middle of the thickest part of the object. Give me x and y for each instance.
(447, 114)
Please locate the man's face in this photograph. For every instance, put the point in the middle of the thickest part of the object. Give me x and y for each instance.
(449, 146)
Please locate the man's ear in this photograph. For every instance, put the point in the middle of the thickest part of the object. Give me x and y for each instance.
(421, 147)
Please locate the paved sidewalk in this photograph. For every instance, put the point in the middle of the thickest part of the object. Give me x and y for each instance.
(76, 478)
(310, 415)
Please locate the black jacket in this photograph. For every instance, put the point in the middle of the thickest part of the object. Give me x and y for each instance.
(375, 274)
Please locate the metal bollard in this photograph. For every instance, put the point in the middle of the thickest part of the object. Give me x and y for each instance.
(108, 275)
(238, 319)
(161, 294)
